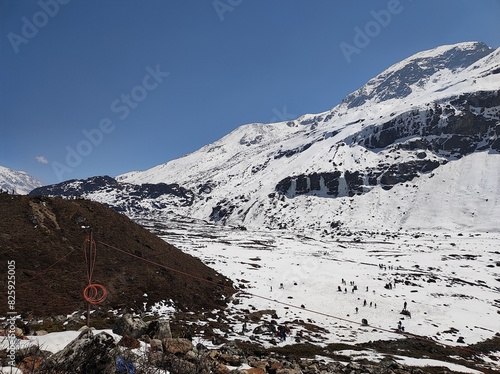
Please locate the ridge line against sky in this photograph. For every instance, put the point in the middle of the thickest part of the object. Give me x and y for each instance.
(107, 87)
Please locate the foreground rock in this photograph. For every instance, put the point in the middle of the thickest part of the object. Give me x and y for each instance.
(93, 353)
(149, 348)
(88, 353)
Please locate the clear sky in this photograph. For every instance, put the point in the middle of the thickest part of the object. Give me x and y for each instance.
(105, 87)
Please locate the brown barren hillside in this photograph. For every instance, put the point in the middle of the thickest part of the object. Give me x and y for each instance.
(45, 237)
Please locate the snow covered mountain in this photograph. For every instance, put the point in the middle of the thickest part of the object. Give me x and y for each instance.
(417, 147)
(17, 181)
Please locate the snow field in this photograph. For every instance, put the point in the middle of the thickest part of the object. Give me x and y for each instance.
(449, 282)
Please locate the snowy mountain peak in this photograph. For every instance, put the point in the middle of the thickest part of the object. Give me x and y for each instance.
(18, 182)
(399, 80)
(402, 159)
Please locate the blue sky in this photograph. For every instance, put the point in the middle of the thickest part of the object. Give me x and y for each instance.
(106, 87)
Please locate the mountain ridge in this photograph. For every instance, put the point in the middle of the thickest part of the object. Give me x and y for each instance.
(397, 80)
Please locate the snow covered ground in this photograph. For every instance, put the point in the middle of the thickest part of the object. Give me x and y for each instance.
(449, 281)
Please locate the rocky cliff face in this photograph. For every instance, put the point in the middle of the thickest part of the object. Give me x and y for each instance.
(434, 135)
(123, 197)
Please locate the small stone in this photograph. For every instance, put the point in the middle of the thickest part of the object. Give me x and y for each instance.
(129, 342)
(177, 345)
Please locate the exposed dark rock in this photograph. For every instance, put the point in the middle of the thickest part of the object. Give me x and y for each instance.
(387, 176)
(395, 84)
(306, 183)
(456, 128)
(129, 196)
(291, 152)
(249, 142)
(221, 211)
(354, 182)
(448, 131)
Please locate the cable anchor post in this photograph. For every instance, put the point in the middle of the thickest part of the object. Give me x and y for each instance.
(94, 293)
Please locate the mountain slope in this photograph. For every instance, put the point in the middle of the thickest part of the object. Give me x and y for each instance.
(17, 181)
(372, 162)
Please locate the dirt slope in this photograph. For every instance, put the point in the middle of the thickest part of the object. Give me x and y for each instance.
(44, 236)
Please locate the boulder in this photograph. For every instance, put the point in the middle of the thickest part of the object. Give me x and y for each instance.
(256, 362)
(274, 365)
(155, 345)
(74, 323)
(221, 369)
(177, 345)
(27, 357)
(229, 359)
(253, 371)
(183, 366)
(132, 326)
(159, 329)
(88, 353)
(288, 371)
(30, 364)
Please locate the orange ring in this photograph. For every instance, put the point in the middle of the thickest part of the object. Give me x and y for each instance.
(95, 293)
